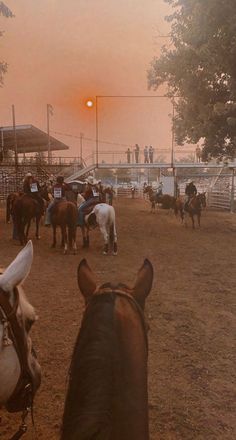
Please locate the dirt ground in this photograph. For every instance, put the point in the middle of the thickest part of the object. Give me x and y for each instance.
(191, 313)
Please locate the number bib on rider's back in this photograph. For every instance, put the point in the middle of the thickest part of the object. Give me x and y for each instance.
(34, 187)
(95, 192)
(57, 193)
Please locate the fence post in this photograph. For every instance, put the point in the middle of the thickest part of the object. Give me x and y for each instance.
(232, 192)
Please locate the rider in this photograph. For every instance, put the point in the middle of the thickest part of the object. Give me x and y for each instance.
(159, 189)
(102, 196)
(31, 188)
(190, 191)
(59, 194)
(91, 196)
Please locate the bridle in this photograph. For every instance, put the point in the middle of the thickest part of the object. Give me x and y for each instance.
(107, 289)
(14, 334)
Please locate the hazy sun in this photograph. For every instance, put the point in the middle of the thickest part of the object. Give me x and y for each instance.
(89, 103)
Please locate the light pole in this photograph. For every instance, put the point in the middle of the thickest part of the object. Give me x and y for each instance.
(15, 138)
(81, 148)
(96, 105)
(49, 113)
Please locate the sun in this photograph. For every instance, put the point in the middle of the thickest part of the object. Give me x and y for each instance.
(89, 103)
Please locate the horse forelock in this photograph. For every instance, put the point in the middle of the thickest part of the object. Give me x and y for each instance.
(100, 368)
(90, 376)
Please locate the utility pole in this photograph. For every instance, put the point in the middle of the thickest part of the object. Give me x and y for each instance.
(15, 138)
(49, 113)
(81, 148)
(232, 191)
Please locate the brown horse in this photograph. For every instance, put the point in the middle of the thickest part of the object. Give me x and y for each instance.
(64, 214)
(194, 207)
(24, 209)
(165, 200)
(9, 204)
(107, 393)
(179, 208)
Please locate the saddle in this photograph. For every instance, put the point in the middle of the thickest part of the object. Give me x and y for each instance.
(92, 218)
(89, 209)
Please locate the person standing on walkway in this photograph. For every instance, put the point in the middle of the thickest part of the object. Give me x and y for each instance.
(150, 151)
(146, 154)
(136, 153)
(128, 153)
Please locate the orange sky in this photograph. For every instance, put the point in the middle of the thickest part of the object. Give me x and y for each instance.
(63, 51)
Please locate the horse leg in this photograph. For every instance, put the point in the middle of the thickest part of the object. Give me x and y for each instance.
(193, 224)
(37, 227)
(62, 237)
(64, 232)
(27, 225)
(106, 239)
(54, 236)
(114, 240)
(199, 219)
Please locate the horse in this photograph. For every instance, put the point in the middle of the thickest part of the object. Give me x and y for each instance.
(20, 373)
(24, 209)
(165, 200)
(102, 215)
(64, 214)
(194, 207)
(152, 196)
(179, 208)
(9, 204)
(108, 193)
(107, 395)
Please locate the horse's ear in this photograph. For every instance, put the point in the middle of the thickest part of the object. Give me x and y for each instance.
(86, 280)
(143, 283)
(18, 269)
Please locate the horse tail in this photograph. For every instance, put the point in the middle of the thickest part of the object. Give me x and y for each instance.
(112, 231)
(8, 210)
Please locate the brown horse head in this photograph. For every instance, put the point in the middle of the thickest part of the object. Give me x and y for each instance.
(107, 393)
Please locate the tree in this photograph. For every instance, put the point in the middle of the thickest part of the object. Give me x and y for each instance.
(6, 12)
(200, 69)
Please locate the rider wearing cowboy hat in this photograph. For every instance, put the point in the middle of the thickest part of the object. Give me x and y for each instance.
(31, 188)
(190, 191)
(91, 196)
(59, 194)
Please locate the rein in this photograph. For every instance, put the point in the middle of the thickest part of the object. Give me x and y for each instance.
(106, 289)
(13, 334)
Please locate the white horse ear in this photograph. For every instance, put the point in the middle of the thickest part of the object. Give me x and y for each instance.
(86, 280)
(19, 269)
(143, 283)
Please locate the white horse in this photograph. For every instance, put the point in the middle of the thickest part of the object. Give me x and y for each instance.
(19, 369)
(102, 215)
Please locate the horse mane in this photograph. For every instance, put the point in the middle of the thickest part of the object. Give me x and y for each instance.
(94, 361)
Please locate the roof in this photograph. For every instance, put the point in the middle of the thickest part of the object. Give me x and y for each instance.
(30, 139)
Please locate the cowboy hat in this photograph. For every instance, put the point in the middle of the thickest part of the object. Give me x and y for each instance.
(91, 180)
(28, 175)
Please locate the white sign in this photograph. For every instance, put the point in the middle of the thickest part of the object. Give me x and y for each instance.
(33, 187)
(57, 193)
(95, 192)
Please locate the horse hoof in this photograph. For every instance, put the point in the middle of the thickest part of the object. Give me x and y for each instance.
(114, 253)
(38, 237)
(105, 253)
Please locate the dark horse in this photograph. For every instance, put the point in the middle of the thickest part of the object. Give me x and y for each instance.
(194, 207)
(9, 204)
(165, 200)
(107, 395)
(24, 209)
(64, 214)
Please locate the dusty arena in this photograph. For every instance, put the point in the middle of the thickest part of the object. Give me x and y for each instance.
(190, 311)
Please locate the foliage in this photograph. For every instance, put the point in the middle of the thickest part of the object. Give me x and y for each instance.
(200, 69)
(6, 12)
